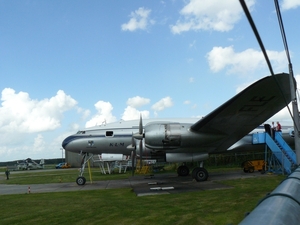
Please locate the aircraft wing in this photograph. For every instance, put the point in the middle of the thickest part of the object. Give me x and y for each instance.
(245, 111)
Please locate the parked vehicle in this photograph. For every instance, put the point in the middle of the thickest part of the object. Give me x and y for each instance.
(251, 165)
(62, 165)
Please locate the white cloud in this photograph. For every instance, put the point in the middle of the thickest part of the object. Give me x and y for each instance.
(39, 143)
(139, 20)
(162, 104)
(131, 113)
(209, 15)
(290, 4)
(104, 114)
(20, 113)
(137, 101)
(242, 62)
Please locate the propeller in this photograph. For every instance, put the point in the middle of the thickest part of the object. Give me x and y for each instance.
(141, 153)
(138, 136)
(132, 161)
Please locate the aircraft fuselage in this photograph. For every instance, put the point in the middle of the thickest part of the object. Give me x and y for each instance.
(163, 139)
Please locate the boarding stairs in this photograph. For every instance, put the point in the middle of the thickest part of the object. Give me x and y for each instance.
(281, 151)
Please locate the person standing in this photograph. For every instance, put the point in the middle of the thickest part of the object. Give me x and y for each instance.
(278, 127)
(7, 174)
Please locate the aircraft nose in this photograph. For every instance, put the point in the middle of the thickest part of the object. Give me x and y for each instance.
(67, 141)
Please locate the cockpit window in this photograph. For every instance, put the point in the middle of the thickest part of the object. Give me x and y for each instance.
(109, 133)
(81, 132)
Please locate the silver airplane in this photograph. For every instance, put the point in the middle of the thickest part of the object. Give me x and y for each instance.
(187, 140)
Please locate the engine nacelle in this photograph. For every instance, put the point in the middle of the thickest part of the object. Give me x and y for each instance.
(162, 136)
(186, 157)
(146, 152)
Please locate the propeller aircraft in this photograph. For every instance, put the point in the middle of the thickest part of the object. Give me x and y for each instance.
(186, 140)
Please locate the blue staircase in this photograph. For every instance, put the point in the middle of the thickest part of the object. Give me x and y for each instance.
(280, 150)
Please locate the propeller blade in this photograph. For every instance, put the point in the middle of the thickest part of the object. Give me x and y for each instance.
(141, 125)
(141, 153)
(140, 134)
(132, 162)
(132, 141)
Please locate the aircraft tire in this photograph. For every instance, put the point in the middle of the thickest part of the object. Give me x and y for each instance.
(246, 171)
(200, 174)
(183, 171)
(80, 181)
(251, 170)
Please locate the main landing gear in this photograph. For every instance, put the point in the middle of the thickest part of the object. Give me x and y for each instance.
(198, 173)
(85, 158)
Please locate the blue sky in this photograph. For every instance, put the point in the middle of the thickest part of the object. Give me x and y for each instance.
(66, 65)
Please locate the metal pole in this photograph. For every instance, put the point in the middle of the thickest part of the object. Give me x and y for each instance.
(295, 115)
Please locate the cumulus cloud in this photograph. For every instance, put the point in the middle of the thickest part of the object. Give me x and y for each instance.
(137, 101)
(104, 114)
(209, 15)
(239, 62)
(20, 113)
(162, 104)
(139, 20)
(39, 143)
(290, 4)
(131, 113)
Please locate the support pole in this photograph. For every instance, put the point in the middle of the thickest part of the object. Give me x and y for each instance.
(295, 114)
(90, 171)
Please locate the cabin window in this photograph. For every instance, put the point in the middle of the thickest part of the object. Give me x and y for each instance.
(109, 133)
(81, 132)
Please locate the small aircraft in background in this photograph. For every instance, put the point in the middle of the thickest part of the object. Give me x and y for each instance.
(187, 140)
(29, 164)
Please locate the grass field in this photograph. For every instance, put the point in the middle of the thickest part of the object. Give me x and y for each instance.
(122, 206)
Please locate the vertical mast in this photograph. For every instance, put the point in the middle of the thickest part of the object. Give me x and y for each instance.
(295, 114)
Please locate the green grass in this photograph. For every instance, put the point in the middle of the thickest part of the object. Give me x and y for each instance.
(59, 176)
(70, 175)
(122, 206)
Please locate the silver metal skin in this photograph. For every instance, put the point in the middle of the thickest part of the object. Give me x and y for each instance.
(184, 140)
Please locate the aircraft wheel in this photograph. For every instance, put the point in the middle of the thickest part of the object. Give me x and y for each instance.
(183, 171)
(80, 180)
(246, 171)
(200, 174)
